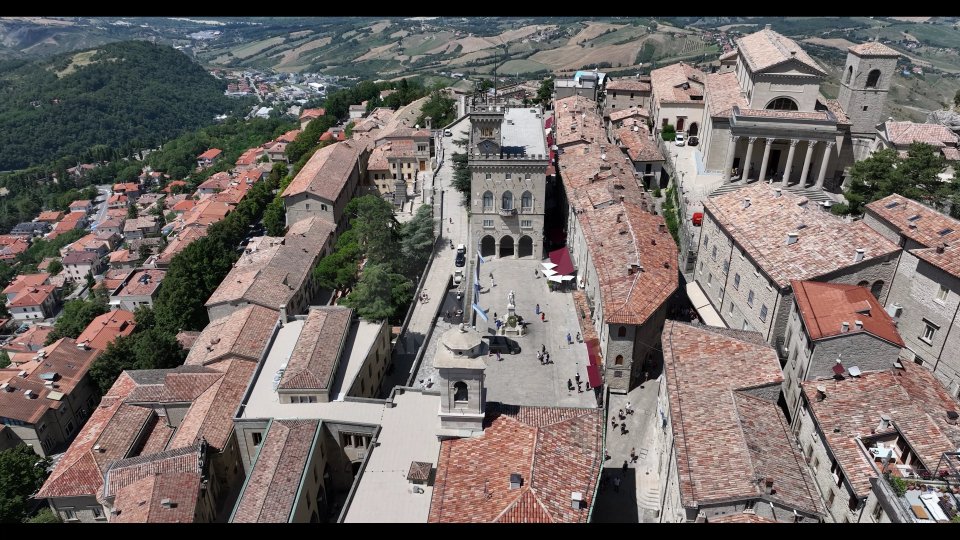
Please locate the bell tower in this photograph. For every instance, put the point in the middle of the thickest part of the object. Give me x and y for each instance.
(486, 122)
(864, 84)
(462, 393)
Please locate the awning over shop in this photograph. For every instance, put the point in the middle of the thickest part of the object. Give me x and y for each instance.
(561, 257)
(593, 375)
(702, 305)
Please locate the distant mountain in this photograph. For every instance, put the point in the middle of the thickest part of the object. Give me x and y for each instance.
(117, 94)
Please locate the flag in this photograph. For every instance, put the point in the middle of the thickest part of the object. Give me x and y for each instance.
(479, 310)
(480, 257)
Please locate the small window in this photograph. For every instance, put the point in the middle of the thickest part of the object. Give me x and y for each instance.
(487, 201)
(750, 298)
(617, 374)
(488, 224)
(701, 267)
(460, 392)
(865, 107)
(710, 279)
(69, 514)
(257, 438)
(622, 331)
(736, 281)
(526, 223)
(726, 267)
(508, 176)
(526, 176)
(763, 313)
(323, 207)
(873, 78)
(706, 241)
(308, 206)
(721, 290)
(618, 360)
(487, 176)
(877, 511)
(929, 329)
(942, 293)
(97, 512)
(713, 254)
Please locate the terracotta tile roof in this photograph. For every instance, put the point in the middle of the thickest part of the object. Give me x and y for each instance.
(219, 181)
(181, 384)
(621, 114)
(140, 223)
(77, 473)
(289, 136)
(766, 48)
(31, 340)
(950, 153)
(187, 338)
(327, 172)
(183, 239)
(81, 205)
(248, 157)
(947, 260)
(741, 517)
(825, 306)
(638, 144)
(312, 113)
(317, 352)
(556, 451)
(912, 397)
(206, 212)
(142, 501)
(105, 328)
(211, 415)
(26, 281)
(184, 205)
(793, 115)
(708, 404)
(242, 334)
(124, 472)
(576, 121)
(126, 187)
(903, 134)
(135, 287)
(628, 85)
(834, 107)
(210, 154)
(824, 245)
(50, 216)
(123, 256)
(378, 159)
(668, 84)
(80, 257)
(61, 357)
(270, 493)
(872, 48)
(729, 55)
(113, 278)
(173, 184)
(271, 277)
(13, 249)
(723, 92)
(32, 296)
(927, 226)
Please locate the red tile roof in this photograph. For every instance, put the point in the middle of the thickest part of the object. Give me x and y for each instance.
(81, 205)
(104, 329)
(710, 372)
(242, 334)
(668, 84)
(872, 48)
(50, 216)
(312, 113)
(135, 287)
(327, 172)
(271, 489)
(556, 451)
(824, 245)
(639, 146)
(825, 306)
(26, 281)
(903, 134)
(32, 296)
(723, 92)
(211, 415)
(29, 341)
(765, 49)
(621, 114)
(628, 85)
(173, 184)
(912, 397)
(927, 226)
(248, 158)
(315, 356)
(210, 154)
(142, 501)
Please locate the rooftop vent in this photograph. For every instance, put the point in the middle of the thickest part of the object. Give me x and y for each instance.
(821, 392)
(854, 371)
(6, 387)
(802, 203)
(859, 255)
(515, 481)
(29, 394)
(167, 503)
(98, 448)
(884, 423)
(768, 486)
(941, 248)
(792, 238)
(23, 373)
(858, 324)
(746, 202)
(777, 192)
(844, 326)
(576, 500)
(914, 217)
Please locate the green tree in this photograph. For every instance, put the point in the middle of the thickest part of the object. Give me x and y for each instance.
(669, 133)
(461, 175)
(118, 356)
(132, 211)
(275, 217)
(55, 267)
(76, 316)
(373, 222)
(22, 472)
(339, 269)
(379, 293)
(45, 515)
(956, 99)
(417, 241)
(441, 108)
(545, 93)
(4, 359)
(914, 177)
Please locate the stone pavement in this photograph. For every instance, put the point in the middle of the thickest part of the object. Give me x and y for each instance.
(638, 498)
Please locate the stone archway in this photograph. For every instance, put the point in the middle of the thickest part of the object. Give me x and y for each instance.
(488, 246)
(506, 247)
(525, 246)
(693, 129)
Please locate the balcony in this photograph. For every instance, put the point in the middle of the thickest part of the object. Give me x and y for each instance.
(507, 212)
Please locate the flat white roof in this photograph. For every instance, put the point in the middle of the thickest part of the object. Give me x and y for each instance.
(525, 132)
(264, 402)
(409, 433)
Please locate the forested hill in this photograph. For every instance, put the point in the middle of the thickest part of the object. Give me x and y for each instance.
(123, 95)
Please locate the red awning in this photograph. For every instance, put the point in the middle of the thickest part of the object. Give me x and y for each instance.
(593, 375)
(561, 258)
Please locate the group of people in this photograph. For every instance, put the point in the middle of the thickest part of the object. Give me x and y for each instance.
(543, 356)
(622, 415)
(579, 384)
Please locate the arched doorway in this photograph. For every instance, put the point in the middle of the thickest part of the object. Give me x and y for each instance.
(877, 288)
(525, 246)
(488, 246)
(679, 127)
(506, 246)
(694, 128)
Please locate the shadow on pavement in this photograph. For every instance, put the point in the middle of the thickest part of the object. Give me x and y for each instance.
(616, 504)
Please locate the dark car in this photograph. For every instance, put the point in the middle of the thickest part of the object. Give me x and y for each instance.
(503, 345)
(693, 141)
(461, 260)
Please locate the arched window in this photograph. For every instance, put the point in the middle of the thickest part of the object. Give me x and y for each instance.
(864, 284)
(506, 202)
(849, 76)
(873, 78)
(783, 104)
(622, 331)
(460, 391)
(526, 200)
(876, 288)
(618, 360)
(487, 201)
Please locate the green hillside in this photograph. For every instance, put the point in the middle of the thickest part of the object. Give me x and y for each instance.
(118, 94)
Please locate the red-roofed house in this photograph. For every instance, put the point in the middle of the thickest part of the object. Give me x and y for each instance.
(834, 328)
(10, 250)
(215, 184)
(900, 135)
(325, 185)
(124, 258)
(309, 114)
(107, 327)
(721, 386)
(130, 189)
(45, 401)
(208, 158)
(249, 158)
(138, 289)
(30, 341)
(82, 206)
(77, 264)
(118, 201)
(175, 184)
(34, 303)
(25, 281)
(625, 93)
(50, 216)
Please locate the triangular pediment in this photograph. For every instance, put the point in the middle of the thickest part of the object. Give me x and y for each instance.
(792, 66)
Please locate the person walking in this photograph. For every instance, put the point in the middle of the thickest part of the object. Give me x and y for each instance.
(633, 454)
(543, 348)
(547, 356)
(629, 408)
(536, 274)
(543, 317)
(498, 356)
(569, 339)
(579, 339)
(577, 377)
(616, 484)
(538, 309)
(570, 386)
(623, 428)
(626, 467)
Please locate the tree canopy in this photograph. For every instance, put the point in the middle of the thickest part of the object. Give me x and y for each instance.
(913, 176)
(75, 317)
(22, 472)
(440, 108)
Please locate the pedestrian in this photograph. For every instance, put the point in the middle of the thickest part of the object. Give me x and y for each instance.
(614, 421)
(498, 356)
(538, 309)
(570, 386)
(547, 355)
(626, 466)
(579, 387)
(633, 454)
(579, 339)
(498, 324)
(621, 415)
(577, 377)
(543, 317)
(540, 357)
(606, 455)
(494, 314)
(536, 274)
(616, 484)
(623, 428)
(543, 348)
(569, 339)
(629, 408)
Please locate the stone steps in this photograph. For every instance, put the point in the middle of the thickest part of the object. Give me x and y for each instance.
(815, 195)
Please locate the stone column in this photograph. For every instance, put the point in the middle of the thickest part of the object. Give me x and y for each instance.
(731, 150)
(789, 168)
(806, 164)
(766, 156)
(746, 160)
(823, 164)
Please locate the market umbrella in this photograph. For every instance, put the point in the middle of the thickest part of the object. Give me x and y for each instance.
(555, 279)
(549, 273)
(548, 265)
(566, 278)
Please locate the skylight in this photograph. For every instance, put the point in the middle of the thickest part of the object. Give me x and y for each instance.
(945, 231)
(914, 217)
(891, 205)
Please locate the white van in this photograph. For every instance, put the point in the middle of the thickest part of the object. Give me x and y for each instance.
(461, 248)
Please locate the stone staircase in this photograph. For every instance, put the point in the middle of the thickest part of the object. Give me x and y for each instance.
(650, 498)
(815, 195)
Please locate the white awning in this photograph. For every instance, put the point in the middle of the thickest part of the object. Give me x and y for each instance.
(548, 265)
(702, 305)
(549, 272)
(566, 278)
(555, 278)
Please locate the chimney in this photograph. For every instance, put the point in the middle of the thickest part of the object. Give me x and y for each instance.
(662, 227)
(701, 518)
(746, 202)
(821, 392)
(941, 247)
(576, 500)
(516, 481)
(283, 314)
(844, 327)
(884, 423)
(766, 27)
(167, 503)
(619, 217)
(859, 255)
(768, 486)
(792, 238)
(858, 324)
(777, 192)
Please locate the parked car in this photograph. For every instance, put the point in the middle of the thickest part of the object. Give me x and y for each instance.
(458, 276)
(461, 249)
(460, 261)
(679, 141)
(693, 141)
(501, 344)
(447, 133)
